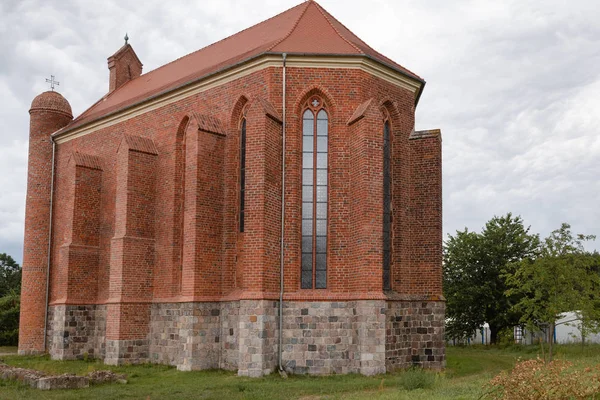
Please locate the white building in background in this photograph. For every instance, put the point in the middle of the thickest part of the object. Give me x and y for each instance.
(567, 330)
(482, 336)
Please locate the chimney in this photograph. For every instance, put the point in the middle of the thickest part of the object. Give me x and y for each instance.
(124, 66)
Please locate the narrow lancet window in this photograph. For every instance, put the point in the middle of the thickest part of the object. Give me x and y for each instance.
(387, 207)
(242, 174)
(314, 197)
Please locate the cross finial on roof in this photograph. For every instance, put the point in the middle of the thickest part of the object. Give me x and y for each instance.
(52, 82)
(126, 38)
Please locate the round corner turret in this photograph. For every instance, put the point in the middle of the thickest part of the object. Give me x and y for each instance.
(51, 102)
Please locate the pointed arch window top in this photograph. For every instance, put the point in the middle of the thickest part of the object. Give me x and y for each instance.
(315, 103)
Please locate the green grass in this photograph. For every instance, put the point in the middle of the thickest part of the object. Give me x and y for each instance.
(467, 371)
(8, 349)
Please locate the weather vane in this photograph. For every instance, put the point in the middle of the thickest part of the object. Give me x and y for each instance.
(52, 82)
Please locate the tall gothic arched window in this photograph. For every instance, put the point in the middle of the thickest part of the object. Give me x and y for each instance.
(387, 206)
(315, 126)
(242, 174)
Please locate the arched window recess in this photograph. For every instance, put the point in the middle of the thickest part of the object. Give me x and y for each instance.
(387, 204)
(242, 171)
(315, 135)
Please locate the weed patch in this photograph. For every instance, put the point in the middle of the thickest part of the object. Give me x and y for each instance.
(414, 378)
(559, 379)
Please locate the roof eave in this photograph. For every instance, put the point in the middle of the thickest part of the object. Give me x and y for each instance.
(415, 78)
(420, 81)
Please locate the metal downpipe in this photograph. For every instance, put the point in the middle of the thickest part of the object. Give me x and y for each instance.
(281, 259)
(49, 244)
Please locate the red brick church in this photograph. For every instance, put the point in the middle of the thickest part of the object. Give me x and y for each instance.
(261, 203)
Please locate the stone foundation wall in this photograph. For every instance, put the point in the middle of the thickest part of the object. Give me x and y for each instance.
(199, 335)
(320, 337)
(194, 336)
(76, 332)
(230, 325)
(258, 337)
(334, 337)
(132, 351)
(415, 334)
(165, 344)
(366, 337)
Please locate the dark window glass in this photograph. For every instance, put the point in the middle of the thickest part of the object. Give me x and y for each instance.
(307, 227)
(321, 244)
(242, 174)
(321, 262)
(307, 244)
(307, 261)
(387, 207)
(307, 279)
(321, 279)
(314, 200)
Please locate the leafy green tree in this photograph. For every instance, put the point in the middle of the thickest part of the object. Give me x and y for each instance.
(9, 319)
(475, 265)
(10, 275)
(563, 277)
(10, 287)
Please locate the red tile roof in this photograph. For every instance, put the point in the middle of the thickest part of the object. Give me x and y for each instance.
(306, 28)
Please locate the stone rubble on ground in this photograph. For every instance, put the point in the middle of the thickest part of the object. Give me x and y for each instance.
(40, 380)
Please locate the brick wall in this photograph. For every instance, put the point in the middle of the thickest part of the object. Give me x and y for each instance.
(151, 222)
(46, 118)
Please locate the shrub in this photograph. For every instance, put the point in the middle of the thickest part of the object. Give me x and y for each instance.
(533, 379)
(417, 378)
(9, 319)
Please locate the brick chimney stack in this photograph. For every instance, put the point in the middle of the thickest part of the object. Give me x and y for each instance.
(124, 66)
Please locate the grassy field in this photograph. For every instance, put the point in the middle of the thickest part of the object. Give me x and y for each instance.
(467, 371)
(7, 349)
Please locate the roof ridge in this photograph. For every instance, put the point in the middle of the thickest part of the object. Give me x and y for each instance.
(293, 26)
(222, 40)
(324, 13)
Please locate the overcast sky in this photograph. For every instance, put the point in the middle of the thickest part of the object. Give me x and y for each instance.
(513, 85)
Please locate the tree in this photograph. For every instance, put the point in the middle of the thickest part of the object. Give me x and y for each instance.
(10, 287)
(475, 265)
(563, 277)
(10, 275)
(9, 319)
